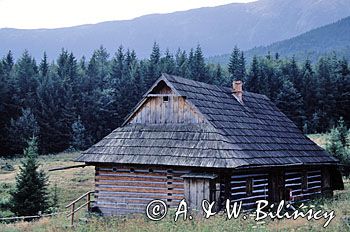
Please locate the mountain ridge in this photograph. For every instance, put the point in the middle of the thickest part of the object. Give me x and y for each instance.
(217, 29)
(331, 38)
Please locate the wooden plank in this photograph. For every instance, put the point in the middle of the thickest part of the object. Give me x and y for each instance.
(136, 172)
(147, 184)
(153, 110)
(140, 195)
(187, 190)
(206, 190)
(193, 191)
(136, 178)
(181, 110)
(175, 109)
(140, 189)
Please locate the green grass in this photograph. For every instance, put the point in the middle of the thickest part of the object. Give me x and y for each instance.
(319, 139)
(72, 183)
(340, 203)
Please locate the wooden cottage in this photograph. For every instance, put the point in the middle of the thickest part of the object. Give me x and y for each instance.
(187, 139)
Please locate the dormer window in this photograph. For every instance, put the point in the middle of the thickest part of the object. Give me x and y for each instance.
(165, 98)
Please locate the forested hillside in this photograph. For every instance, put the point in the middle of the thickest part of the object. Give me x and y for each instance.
(217, 29)
(71, 103)
(332, 38)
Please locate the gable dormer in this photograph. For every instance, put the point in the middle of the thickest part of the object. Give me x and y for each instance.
(163, 105)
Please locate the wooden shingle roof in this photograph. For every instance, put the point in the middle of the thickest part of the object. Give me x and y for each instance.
(255, 133)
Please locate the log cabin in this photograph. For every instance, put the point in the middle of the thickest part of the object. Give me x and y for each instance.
(187, 139)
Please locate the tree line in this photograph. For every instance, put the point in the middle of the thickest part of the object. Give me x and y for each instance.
(71, 104)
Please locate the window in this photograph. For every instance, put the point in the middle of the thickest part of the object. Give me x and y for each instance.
(249, 187)
(114, 169)
(132, 170)
(165, 99)
(150, 170)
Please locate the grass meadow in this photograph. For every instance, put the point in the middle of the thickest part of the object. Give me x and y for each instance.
(72, 183)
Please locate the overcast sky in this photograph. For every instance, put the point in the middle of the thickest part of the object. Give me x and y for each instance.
(63, 13)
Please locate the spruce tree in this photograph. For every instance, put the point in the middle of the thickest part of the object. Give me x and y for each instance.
(44, 66)
(8, 63)
(236, 66)
(253, 78)
(197, 67)
(153, 69)
(308, 90)
(167, 63)
(25, 81)
(30, 195)
(5, 107)
(289, 101)
(218, 78)
(343, 133)
(22, 129)
(181, 60)
(54, 199)
(79, 139)
(334, 146)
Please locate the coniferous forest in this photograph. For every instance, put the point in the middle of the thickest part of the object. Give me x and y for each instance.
(72, 103)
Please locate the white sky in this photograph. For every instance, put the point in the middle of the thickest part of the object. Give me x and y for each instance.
(63, 13)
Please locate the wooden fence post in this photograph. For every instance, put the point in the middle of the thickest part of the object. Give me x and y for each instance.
(72, 216)
(88, 202)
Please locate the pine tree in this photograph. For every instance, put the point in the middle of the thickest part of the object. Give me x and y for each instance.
(54, 200)
(343, 99)
(153, 69)
(30, 195)
(334, 146)
(325, 94)
(236, 66)
(218, 78)
(25, 81)
(6, 106)
(44, 66)
(308, 90)
(294, 74)
(181, 60)
(50, 100)
(8, 63)
(197, 67)
(79, 137)
(343, 133)
(102, 67)
(167, 63)
(289, 101)
(252, 83)
(22, 129)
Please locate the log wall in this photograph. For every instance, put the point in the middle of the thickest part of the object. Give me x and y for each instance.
(124, 189)
(303, 185)
(128, 189)
(239, 186)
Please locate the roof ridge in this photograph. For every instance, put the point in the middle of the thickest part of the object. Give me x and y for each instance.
(181, 80)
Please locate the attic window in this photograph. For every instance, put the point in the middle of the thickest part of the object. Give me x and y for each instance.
(249, 187)
(165, 98)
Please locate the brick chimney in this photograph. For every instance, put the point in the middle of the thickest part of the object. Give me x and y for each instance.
(237, 88)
